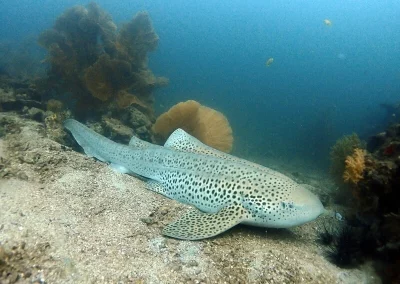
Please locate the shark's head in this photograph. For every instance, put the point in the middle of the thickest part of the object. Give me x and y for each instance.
(299, 207)
(295, 207)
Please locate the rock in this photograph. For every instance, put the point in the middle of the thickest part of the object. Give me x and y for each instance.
(34, 113)
(376, 141)
(116, 130)
(139, 119)
(192, 263)
(141, 130)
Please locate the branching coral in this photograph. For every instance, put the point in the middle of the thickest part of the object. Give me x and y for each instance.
(105, 78)
(355, 165)
(343, 148)
(136, 39)
(206, 124)
(98, 65)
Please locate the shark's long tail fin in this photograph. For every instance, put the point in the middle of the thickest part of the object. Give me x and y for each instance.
(92, 143)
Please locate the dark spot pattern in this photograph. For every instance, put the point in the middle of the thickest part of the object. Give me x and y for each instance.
(191, 172)
(196, 225)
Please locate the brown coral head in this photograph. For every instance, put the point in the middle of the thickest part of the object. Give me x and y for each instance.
(106, 77)
(137, 38)
(355, 165)
(206, 124)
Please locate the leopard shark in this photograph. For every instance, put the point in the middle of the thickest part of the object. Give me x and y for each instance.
(225, 190)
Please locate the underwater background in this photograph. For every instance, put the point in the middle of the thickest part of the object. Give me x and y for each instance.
(327, 79)
(309, 89)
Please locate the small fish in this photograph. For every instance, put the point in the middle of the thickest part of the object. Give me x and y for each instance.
(224, 190)
(269, 61)
(328, 22)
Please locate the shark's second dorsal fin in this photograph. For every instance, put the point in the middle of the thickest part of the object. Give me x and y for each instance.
(196, 225)
(140, 144)
(182, 141)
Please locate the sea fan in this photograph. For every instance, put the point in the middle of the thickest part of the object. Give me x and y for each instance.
(206, 124)
(355, 165)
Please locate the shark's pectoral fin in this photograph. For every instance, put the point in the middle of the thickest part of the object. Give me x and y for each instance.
(196, 225)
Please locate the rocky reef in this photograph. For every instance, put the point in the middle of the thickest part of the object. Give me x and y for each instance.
(96, 73)
(66, 218)
(97, 64)
(372, 177)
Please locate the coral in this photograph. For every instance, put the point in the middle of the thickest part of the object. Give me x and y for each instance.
(103, 69)
(106, 77)
(182, 115)
(136, 39)
(343, 148)
(355, 166)
(54, 105)
(375, 183)
(206, 124)
(213, 129)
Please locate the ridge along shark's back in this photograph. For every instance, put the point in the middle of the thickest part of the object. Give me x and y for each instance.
(227, 190)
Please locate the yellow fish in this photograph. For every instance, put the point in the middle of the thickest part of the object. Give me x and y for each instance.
(269, 61)
(328, 22)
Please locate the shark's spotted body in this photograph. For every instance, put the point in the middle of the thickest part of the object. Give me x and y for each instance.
(227, 190)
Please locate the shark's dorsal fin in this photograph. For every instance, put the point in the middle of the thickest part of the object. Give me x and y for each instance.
(196, 225)
(183, 141)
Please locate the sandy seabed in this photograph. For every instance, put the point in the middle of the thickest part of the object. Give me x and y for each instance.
(66, 218)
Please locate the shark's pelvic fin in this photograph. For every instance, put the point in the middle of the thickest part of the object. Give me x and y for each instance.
(119, 168)
(196, 225)
(155, 186)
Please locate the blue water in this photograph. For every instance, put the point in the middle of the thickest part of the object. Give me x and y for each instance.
(325, 81)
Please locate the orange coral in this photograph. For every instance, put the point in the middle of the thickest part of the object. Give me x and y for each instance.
(355, 165)
(206, 124)
(107, 76)
(182, 115)
(212, 128)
